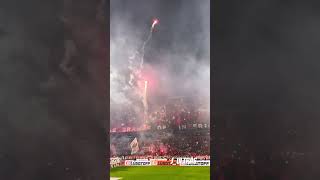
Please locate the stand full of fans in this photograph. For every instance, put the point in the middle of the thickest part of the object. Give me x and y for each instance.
(177, 128)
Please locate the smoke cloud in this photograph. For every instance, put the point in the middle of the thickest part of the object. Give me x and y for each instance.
(177, 59)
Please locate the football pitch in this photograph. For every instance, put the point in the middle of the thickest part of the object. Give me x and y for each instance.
(161, 173)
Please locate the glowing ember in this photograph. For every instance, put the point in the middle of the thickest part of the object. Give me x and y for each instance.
(155, 21)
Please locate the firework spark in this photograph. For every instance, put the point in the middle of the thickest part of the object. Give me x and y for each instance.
(155, 22)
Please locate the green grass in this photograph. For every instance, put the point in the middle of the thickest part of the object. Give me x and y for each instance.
(161, 173)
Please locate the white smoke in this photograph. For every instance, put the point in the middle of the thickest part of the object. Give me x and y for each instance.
(181, 71)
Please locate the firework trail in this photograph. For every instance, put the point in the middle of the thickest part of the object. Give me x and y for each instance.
(145, 101)
(155, 21)
(136, 71)
(135, 83)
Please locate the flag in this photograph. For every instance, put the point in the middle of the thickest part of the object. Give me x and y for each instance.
(134, 146)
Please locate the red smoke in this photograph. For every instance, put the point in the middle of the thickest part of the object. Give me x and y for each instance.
(150, 75)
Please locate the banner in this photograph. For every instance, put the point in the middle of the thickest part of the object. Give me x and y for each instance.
(189, 162)
(164, 163)
(197, 163)
(114, 162)
(134, 146)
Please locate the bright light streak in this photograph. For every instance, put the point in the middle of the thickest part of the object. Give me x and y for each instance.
(155, 21)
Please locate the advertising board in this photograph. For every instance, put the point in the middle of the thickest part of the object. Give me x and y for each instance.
(165, 162)
(137, 163)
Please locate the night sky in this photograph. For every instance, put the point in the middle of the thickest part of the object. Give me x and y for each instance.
(180, 21)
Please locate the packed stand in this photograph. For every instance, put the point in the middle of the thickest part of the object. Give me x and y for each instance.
(188, 143)
(175, 114)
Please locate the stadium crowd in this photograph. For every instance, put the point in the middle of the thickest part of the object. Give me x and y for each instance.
(180, 127)
(164, 143)
(176, 113)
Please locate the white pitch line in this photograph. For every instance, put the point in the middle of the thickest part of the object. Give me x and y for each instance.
(115, 178)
